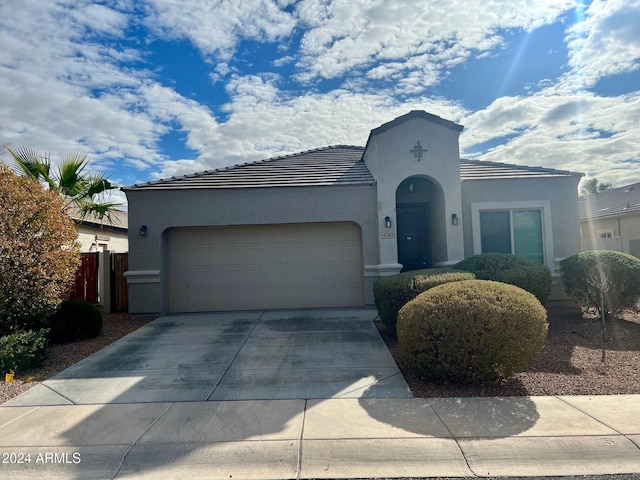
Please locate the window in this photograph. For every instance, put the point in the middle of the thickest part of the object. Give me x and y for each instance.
(608, 233)
(512, 231)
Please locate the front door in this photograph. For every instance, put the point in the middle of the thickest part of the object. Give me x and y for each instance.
(414, 249)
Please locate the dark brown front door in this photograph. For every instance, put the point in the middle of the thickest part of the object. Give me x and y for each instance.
(414, 249)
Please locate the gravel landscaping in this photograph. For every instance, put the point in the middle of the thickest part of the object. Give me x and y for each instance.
(115, 326)
(573, 362)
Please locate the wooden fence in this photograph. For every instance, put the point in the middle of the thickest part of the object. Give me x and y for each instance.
(86, 284)
(119, 290)
(88, 287)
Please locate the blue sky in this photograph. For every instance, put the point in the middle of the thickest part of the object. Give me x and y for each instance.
(157, 88)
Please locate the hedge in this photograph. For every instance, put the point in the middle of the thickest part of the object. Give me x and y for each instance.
(74, 320)
(393, 292)
(22, 350)
(580, 274)
(527, 274)
(471, 331)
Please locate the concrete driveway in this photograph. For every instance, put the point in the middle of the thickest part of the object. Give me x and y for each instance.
(304, 354)
(273, 395)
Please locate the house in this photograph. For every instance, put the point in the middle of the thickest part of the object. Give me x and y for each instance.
(610, 220)
(98, 235)
(317, 228)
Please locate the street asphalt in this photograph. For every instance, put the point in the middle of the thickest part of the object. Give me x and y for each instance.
(287, 395)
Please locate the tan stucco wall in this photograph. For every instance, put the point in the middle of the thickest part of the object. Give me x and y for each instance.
(96, 239)
(161, 210)
(626, 234)
(560, 192)
(390, 160)
(622, 226)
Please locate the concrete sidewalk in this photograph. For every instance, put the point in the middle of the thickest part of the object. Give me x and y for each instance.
(327, 438)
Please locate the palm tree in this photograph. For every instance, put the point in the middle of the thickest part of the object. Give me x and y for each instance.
(80, 189)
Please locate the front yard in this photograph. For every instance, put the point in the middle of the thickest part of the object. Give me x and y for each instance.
(115, 326)
(572, 362)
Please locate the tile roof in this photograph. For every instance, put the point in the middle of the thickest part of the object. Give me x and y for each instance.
(335, 165)
(481, 170)
(617, 201)
(119, 219)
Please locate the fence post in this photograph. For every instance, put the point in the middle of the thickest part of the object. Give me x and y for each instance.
(105, 281)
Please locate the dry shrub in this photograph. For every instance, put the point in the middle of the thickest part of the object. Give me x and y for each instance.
(471, 331)
(391, 293)
(38, 252)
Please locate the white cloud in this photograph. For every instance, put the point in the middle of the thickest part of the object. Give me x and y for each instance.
(216, 27)
(66, 81)
(607, 41)
(581, 132)
(353, 34)
(291, 124)
(63, 86)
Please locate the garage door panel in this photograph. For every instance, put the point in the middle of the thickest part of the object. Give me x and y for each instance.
(263, 267)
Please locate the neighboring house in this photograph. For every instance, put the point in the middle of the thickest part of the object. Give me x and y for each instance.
(98, 235)
(317, 228)
(610, 220)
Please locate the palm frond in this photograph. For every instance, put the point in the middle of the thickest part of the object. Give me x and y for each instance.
(70, 178)
(99, 210)
(78, 188)
(32, 164)
(98, 184)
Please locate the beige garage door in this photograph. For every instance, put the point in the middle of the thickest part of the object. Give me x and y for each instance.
(265, 267)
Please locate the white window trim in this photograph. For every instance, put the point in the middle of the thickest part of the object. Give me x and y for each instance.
(605, 231)
(547, 229)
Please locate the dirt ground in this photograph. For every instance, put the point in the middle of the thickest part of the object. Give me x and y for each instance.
(574, 361)
(115, 326)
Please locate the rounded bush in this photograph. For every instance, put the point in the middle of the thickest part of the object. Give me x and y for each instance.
(74, 320)
(22, 350)
(392, 292)
(471, 331)
(584, 273)
(527, 274)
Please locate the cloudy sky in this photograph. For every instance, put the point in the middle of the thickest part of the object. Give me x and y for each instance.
(156, 88)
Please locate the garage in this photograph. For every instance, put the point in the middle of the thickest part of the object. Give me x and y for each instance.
(258, 267)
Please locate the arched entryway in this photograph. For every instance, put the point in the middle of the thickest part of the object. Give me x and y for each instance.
(420, 217)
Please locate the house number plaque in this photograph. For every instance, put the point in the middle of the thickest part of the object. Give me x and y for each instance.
(389, 234)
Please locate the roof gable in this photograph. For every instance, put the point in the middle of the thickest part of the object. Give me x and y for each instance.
(416, 114)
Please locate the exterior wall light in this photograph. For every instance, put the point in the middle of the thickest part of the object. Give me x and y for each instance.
(143, 231)
(454, 219)
(387, 222)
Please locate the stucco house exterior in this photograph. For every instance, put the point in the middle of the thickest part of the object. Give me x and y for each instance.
(99, 235)
(610, 220)
(317, 228)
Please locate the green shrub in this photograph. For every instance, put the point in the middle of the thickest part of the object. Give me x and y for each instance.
(22, 350)
(527, 274)
(74, 320)
(393, 292)
(471, 331)
(622, 273)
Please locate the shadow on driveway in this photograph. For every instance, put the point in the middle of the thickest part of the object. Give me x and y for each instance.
(193, 395)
